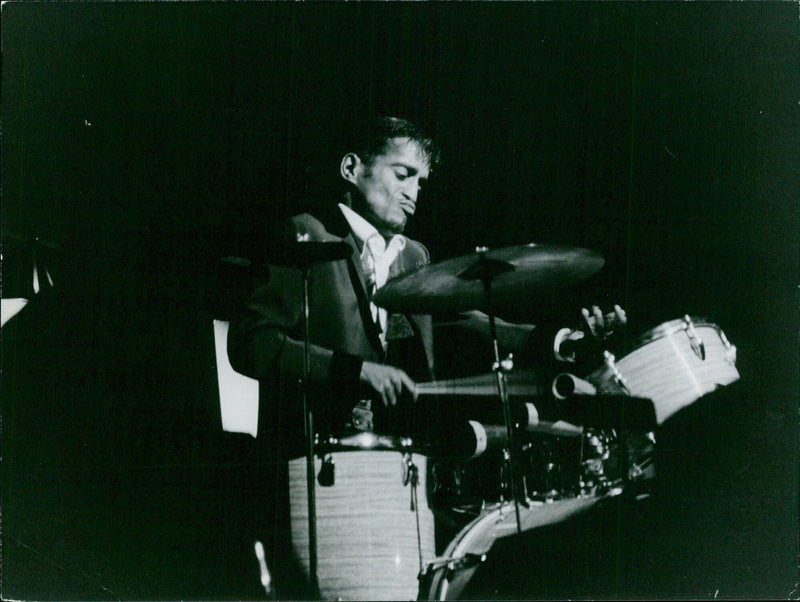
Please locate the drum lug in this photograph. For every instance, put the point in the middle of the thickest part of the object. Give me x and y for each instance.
(409, 469)
(730, 355)
(696, 342)
(410, 477)
(618, 378)
(730, 350)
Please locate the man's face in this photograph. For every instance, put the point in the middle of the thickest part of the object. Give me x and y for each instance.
(390, 185)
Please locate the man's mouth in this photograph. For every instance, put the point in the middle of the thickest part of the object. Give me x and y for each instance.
(407, 208)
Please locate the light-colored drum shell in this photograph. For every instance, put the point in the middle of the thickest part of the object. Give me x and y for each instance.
(668, 370)
(478, 537)
(367, 546)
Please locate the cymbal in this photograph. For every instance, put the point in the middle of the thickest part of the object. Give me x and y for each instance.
(457, 284)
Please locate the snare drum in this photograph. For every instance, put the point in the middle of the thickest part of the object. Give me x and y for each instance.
(372, 541)
(673, 364)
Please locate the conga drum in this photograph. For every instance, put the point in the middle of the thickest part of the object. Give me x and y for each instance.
(375, 531)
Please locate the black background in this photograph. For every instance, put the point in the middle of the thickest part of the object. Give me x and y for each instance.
(148, 140)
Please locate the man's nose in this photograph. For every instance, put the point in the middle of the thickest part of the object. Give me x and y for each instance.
(410, 193)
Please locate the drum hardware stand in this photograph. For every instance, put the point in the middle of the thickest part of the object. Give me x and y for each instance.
(454, 564)
(411, 477)
(484, 271)
(308, 429)
(302, 253)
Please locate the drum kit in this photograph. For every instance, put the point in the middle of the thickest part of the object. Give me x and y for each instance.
(553, 452)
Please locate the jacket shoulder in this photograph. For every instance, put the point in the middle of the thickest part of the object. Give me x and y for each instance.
(306, 223)
(417, 251)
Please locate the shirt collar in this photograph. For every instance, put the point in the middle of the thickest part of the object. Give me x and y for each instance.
(363, 230)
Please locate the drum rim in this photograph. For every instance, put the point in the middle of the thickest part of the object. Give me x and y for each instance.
(670, 327)
(458, 547)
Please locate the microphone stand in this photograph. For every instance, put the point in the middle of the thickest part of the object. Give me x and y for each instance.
(308, 431)
(303, 253)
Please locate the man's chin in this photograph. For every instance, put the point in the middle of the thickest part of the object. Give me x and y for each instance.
(397, 228)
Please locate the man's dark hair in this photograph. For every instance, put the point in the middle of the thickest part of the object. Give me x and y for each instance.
(375, 136)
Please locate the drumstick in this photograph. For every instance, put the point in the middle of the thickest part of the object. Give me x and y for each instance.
(452, 388)
(485, 384)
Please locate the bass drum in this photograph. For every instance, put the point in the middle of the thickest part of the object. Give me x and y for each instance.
(673, 364)
(446, 577)
(375, 531)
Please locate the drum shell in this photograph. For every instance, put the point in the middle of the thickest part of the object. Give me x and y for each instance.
(367, 546)
(665, 367)
(448, 580)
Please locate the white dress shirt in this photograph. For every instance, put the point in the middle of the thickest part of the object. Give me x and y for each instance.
(376, 258)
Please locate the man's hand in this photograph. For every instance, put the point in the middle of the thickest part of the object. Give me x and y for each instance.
(603, 326)
(388, 382)
(585, 345)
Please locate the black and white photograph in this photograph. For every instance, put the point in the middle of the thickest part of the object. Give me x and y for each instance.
(400, 300)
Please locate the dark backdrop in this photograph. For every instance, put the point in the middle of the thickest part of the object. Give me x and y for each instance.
(142, 142)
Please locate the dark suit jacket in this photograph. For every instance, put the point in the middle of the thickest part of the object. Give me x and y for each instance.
(266, 339)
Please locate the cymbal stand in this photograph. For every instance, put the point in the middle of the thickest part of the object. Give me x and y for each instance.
(301, 252)
(308, 430)
(486, 269)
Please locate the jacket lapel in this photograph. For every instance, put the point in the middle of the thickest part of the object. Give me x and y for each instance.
(359, 283)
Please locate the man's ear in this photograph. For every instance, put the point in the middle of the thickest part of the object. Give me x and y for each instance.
(350, 167)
